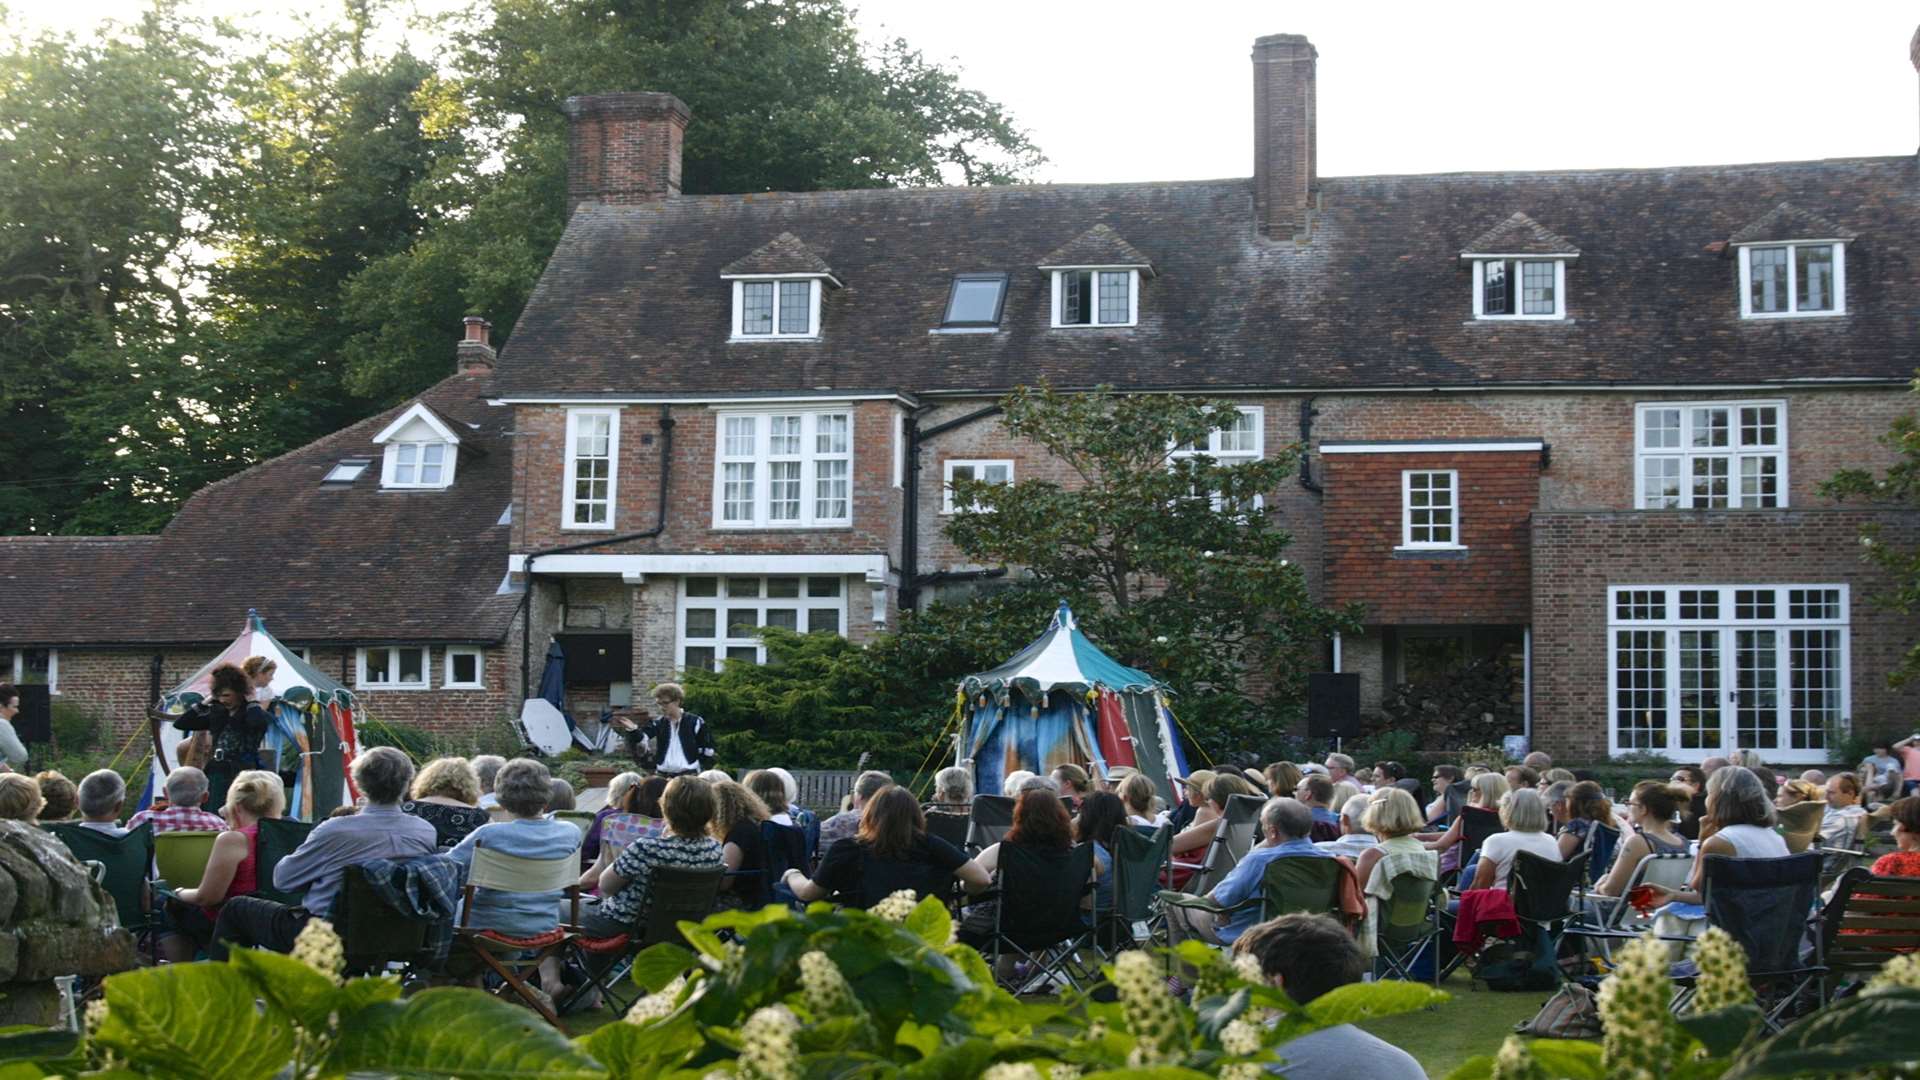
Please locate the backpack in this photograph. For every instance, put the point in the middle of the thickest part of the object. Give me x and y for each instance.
(1573, 1012)
(1526, 964)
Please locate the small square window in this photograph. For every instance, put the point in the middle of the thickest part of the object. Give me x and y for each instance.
(464, 669)
(976, 300)
(1430, 503)
(703, 586)
(986, 472)
(823, 586)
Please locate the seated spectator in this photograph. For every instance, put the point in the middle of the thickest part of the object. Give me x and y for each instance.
(1904, 861)
(1559, 776)
(1137, 794)
(1361, 778)
(1651, 811)
(1908, 751)
(1484, 792)
(559, 795)
(1306, 956)
(891, 851)
(1539, 761)
(13, 752)
(1388, 773)
(446, 795)
(59, 795)
(378, 831)
(1011, 783)
(1840, 823)
(845, 823)
(626, 887)
(1317, 793)
(486, 767)
(1814, 776)
(1524, 814)
(714, 776)
(1520, 776)
(1285, 825)
(1742, 816)
(1693, 779)
(1041, 827)
(524, 789)
(737, 814)
(186, 792)
(1191, 843)
(254, 796)
(1192, 793)
(1881, 769)
(1444, 777)
(618, 789)
(1338, 766)
(1282, 777)
(1586, 807)
(638, 815)
(1074, 785)
(1101, 813)
(1390, 817)
(102, 793)
(20, 798)
(804, 819)
(1795, 792)
(1355, 838)
(952, 790)
(1035, 781)
(768, 788)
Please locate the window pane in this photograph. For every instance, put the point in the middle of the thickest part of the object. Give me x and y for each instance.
(739, 436)
(998, 473)
(796, 307)
(36, 667)
(1813, 267)
(1813, 659)
(405, 462)
(756, 307)
(960, 472)
(1494, 289)
(823, 621)
(1114, 297)
(831, 490)
(1753, 603)
(784, 618)
(783, 491)
(1660, 483)
(823, 586)
(783, 436)
(413, 665)
(466, 668)
(1709, 483)
(1640, 689)
(743, 587)
(745, 653)
(1767, 274)
(1660, 429)
(830, 434)
(1759, 482)
(701, 622)
(1238, 437)
(1756, 715)
(703, 586)
(1536, 288)
(1076, 305)
(1699, 603)
(379, 665)
(1759, 425)
(736, 491)
(742, 622)
(433, 453)
(783, 587)
(974, 300)
(1699, 689)
(699, 656)
(1640, 604)
(1813, 603)
(1710, 427)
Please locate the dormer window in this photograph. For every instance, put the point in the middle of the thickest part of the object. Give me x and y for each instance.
(1094, 296)
(421, 450)
(776, 308)
(1515, 288)
(1804, 278)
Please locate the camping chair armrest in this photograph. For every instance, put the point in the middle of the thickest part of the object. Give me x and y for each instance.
(1824, 850)
(1176, 898)
(1178, 865)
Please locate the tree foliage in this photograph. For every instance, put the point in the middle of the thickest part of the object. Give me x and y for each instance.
(1899, 486)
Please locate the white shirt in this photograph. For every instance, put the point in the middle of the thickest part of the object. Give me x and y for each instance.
(672, 757)
(1501, 847)
(1753, 842)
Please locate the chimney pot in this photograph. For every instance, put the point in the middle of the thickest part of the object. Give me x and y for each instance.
(624, 149)
(479, 329)
(1285, 170)
(475, 354)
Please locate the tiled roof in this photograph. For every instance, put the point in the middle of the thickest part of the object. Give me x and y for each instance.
(1789, 222)
(1520, 235)
(1376, 297)
(784, 254)
(339, 563)
(1098, 246)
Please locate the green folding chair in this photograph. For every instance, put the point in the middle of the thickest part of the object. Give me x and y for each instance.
(123, 861)
(181, 857)
(279, 838)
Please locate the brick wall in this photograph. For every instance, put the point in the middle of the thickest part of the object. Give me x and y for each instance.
(1577, 555)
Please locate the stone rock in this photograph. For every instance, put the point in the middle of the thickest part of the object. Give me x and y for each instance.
(54, 921)
(33, 1004)
(52, 951)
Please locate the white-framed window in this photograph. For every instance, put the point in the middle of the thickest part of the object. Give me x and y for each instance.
(1430, 508)
(1710, 455)
(303, 653)
(1092, 296)
(1702, 670)
(783, 470)
(1796, 280)
(593, 467)
(776, 307)
(994, 471)
(1517, 288)
(1243, 440)
(465, 668)
(32, 667)
(417, 465)
(346, 470)
(391, 667)
(721, 617)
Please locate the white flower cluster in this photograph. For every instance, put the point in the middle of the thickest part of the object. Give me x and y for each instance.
(658, 1004)
(1247, 966)
(769, 1045)
(1012, 1070)
(897, 907)
(1723, 972)
(1633, 1009)
(320, 948)
(827, 991)
(1152, 1015)
(95, 1014)
(1240, 1038)
(1900, 973)
(1516, 1062)
(1063, 1072)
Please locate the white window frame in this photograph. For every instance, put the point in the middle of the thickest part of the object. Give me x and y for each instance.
(479, 681)
(1727, 622)
(304, 654)
(762, 458)
(17, 668)
(1559, 287)
(347, 470)
(390, 464)
(1793, 280)
(722, 602)
(1220, 456)
(978, 465)
(1133, 296)
(1407, 542)
(567, 500)
(393, 665)
(737, 331)
(1735, 451)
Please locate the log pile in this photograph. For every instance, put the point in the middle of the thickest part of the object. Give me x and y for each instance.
(1475, 704)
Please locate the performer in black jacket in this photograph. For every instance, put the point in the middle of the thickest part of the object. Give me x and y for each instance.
(237, 726)
(676, 742)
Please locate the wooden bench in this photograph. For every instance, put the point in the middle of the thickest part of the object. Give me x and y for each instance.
(822, 789)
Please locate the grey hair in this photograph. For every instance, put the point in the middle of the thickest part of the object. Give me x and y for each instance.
(524, 787)
(1287, 815)
(1736, 796)
(1523, 810)
(102, 792)
(1036, 782)
(1356, 809)
(618, 786)
(954, 784)
(1011, 783)
(486, 767)
(186, 786)
(382, 775)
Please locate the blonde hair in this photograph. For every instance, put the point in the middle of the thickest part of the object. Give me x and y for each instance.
(256, 666)
(771, 789)
(1342, 791)
(1197, 782)
(1488, 789)
(732, 804)
(450, 778)
(259, 793)
(1137, 792)
(1523, 810)
(20, 798)
(1392, 812)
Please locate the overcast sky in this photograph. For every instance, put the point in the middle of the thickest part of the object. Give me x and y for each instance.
(1122, 91)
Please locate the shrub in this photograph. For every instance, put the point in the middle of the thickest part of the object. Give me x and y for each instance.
(75, 727)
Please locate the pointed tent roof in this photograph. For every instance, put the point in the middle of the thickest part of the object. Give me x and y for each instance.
(784, 254)
(1098, 246)
(1789, 222)
(1061, 658)
(1520, 235)
(291, 675)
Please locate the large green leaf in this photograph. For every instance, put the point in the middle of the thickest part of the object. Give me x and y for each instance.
(1568, 1059)
(659, 964)
(923, 1039)
(37, 1044)
(1723, 1031)
(1479, 1067)
(632, 1052)
(456, 1032)
(289, 987)
(1837, 1040)
(931, 922)
(192, 1022)
(1355, 1002)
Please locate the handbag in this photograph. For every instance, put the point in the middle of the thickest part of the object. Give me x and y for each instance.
(1573, 1012)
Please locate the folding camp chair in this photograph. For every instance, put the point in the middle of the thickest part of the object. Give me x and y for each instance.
(675, 895)
(181, 857)
(123, 862)
(373, 933)
(1613, 918)
(786, 849)
(1867, 922)
(509, 957)
(1237, 832)
(1476, 824)
(1406, 926)
(1765, 905)
(1038, 919)
(988, 822)
(1456, 798)
(1548, 897)
(1800, 825)
(1138, 859)
(1303, 884)
(1601, 843)
(278, 838)
(949, 827)
(579, 819)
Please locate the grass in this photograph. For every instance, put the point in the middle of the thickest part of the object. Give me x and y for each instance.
(1473, 1023)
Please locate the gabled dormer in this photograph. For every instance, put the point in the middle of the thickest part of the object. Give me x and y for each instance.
(421, 450)
(1793, 264)
(776, 291)
(1096, 280)
(1520, 270)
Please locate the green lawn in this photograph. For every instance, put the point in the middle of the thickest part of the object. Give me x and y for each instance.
(1474, 1022)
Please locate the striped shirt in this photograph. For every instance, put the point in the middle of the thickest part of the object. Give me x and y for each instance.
(635, 865)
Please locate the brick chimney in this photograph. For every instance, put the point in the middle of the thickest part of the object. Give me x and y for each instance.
(624, 149)
(474, 355)
(1284, 167)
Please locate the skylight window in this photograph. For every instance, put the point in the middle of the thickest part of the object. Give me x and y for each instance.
(976, 300)
(347, 471)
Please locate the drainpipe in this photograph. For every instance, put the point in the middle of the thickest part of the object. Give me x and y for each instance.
(660, 524)
(910, 579)
(1307, 413)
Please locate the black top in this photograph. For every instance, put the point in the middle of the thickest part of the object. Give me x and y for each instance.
(752, 888)
(236, 737)
(451, 824)
(858, 878)
(648, 745)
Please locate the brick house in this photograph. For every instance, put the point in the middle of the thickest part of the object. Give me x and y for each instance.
(1575, 418)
